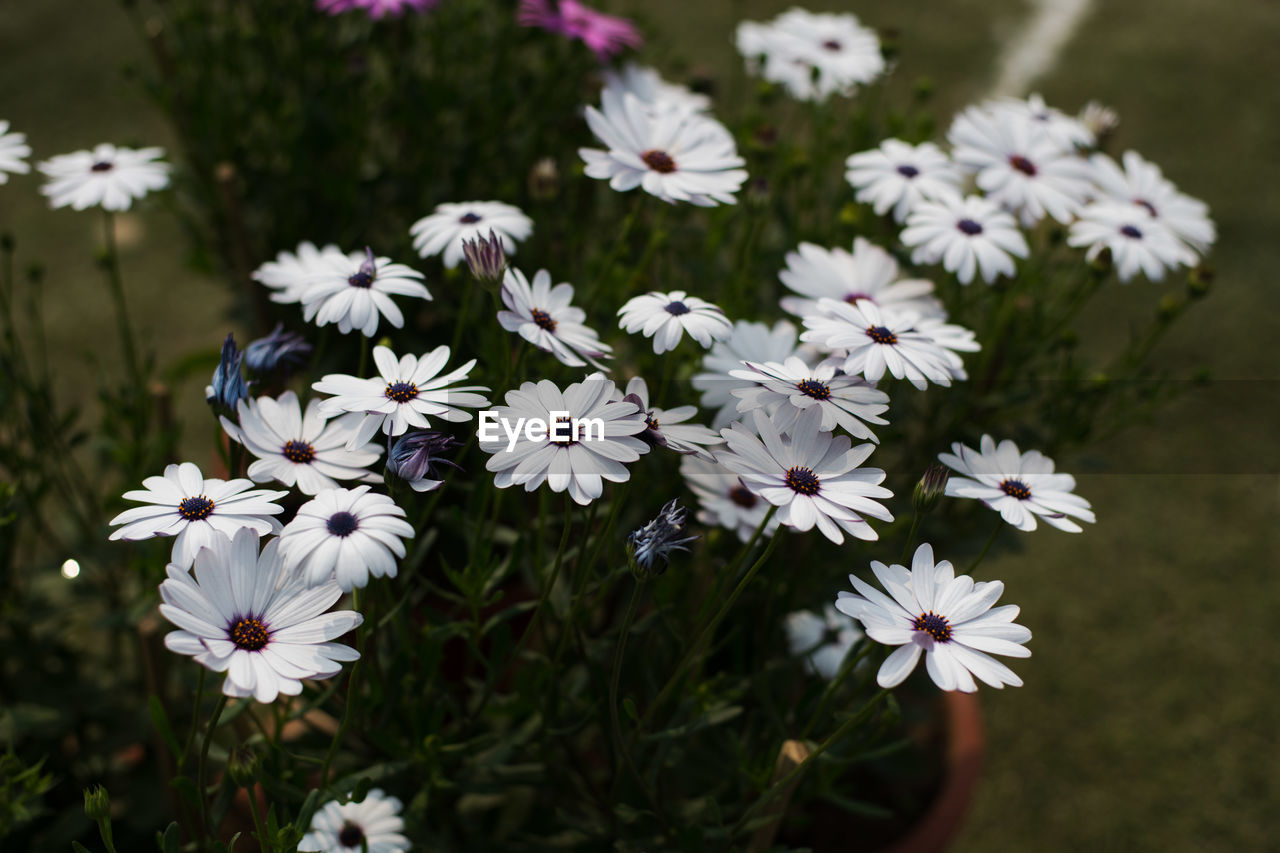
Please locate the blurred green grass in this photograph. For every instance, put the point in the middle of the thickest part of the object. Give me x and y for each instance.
(1147, 720)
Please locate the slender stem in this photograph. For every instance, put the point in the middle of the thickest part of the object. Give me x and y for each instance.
(463, 310)
(353, 686)
(985, 548)
(849, 665)
(195, 719)
(117, 294)
(781, 785)
(911, 536)
(265, 843)
(364, 355)
(200, 768)
(612, 258)
(618, 653)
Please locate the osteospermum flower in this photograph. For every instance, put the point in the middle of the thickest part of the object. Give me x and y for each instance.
(572, 440)
(659, 95)
(279, 351)
(1019, 486)
(307, 450)
(245, 615)
(227, 386)
(786, 389)
(1018, 166)
(667, 427)
(1068, 133)
(377, 9)
(199, 511)
(352, 290)
(1137, 240)
(374, 822)
(870, 342)
(899, 176)
(452, 224)
(724, 499)
(948, 619)
(13, 151)
(347, 535)
(107, 176)
(290, 274)
(969, 235)
(606, 35)
(1141, 183)
(869, 273)
(665, 317)
(823, 640)
(813, 477)
(406, 393)
(813, 55)
(543, 316)
(674, 156)
(747, 342)
(658, 539)
(415, 456)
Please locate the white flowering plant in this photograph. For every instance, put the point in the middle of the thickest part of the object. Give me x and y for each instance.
(558, 514)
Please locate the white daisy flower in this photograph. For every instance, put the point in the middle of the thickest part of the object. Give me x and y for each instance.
(674, 156)
(1138, 242)
(947, 618)
(813, 55)
(290, 275)
(347, 535)
(1066, 132)
(898, 175)
(405, 393)
(544, 317)
(374, 824)
(1141, 183)
(13, 151)
(245, 615)
(308, 451)
(667, 427)
(869, 342)
(198, 511)
(573, 439)
(869, 273)
(810, 475)
(785, 390)
(1018, 486)
(666, 316)
(747, 342)
(724, 499)
(969, 235)
(657, 94)
(823, 641)
(1018, 166)
(452, 224)
(107, 176)
(352, 290)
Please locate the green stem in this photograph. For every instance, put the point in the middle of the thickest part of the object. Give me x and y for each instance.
(619, 651)
(266, 844)
(985, 548)
(353, 687)
(611, 259)
(911, 537)
(463, 311)
(195, 720)
(200, 768)
(116, 285)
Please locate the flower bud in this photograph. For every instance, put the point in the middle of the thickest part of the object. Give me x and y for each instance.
(97, 805)
(931, 488)
(544, 180)
(485, 257)
(1199, 281)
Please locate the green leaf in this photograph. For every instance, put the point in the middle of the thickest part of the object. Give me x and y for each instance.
(79, 848)
(170, 840)
(630, 708)
(160, 720)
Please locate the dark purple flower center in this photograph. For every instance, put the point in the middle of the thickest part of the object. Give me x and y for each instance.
(102, 166)
(543, 320)
(832, 45)
(1016, 489)
(1131, 232)
(361, 279)
(468, 218)
(742, 496)
(401, 392)
(815, 389)
(908, 171)
(651, 422)
(803, 481)
(298, 451)
(659, 161)
(852, 298)
(342, 524)
(557, 430)
(934, 625)
(195, 509)
(249, 634)
(881, 335)
(677, 308)
(968, 226)
(350, 835)
(1023, 165)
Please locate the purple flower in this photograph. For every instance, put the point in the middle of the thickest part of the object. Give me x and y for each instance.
(605, 34)
(376, 8)
(280, 350)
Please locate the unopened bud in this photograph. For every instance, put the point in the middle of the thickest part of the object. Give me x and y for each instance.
(97, 805)
(1101, 263)
(1169, 307)
(1100, 119)
(544, 179)
(1199, 280)
(485, 257)
(931, 488)
(243, 764)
